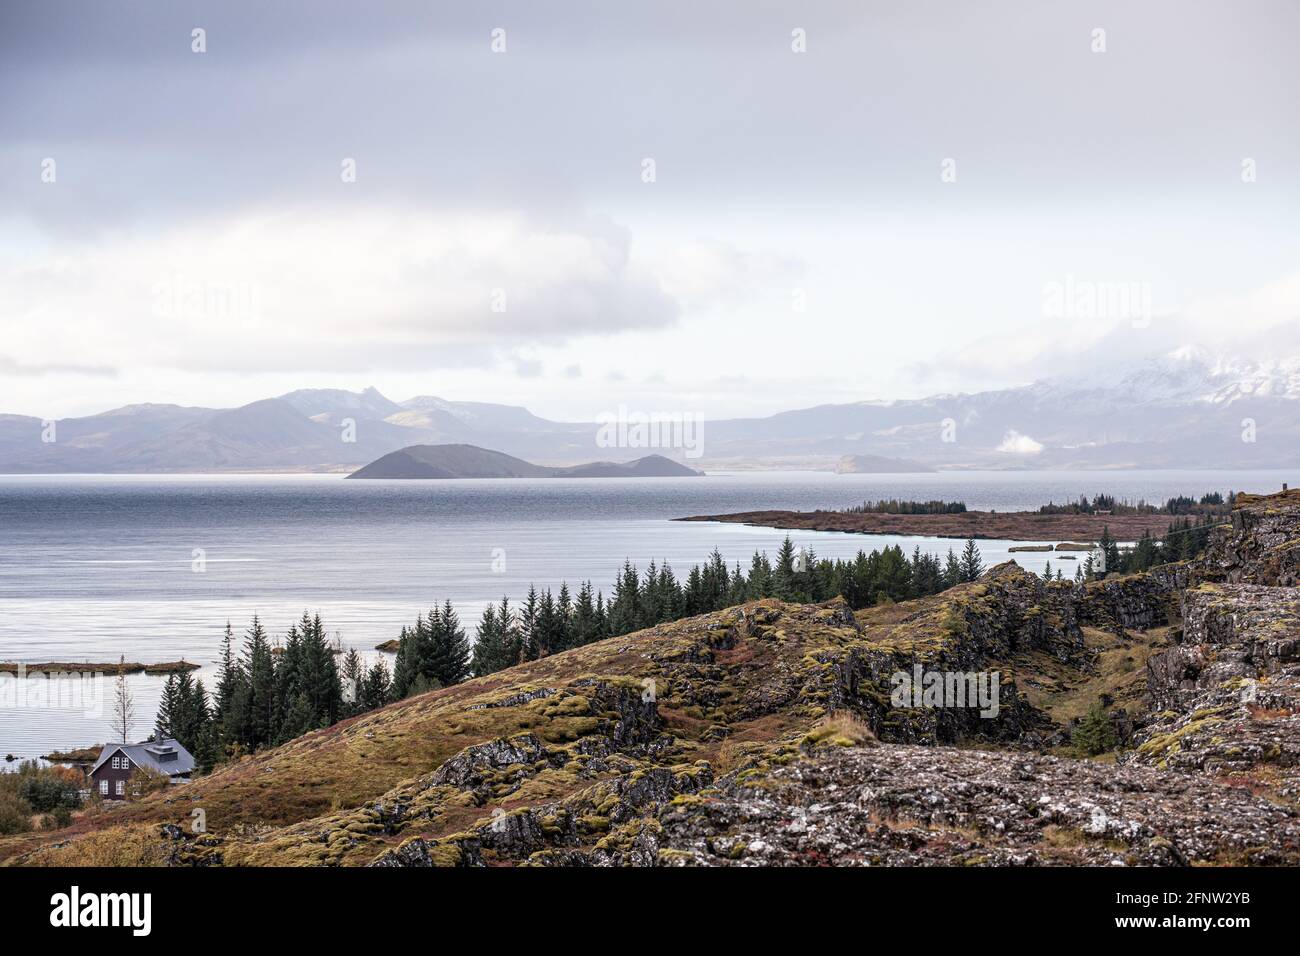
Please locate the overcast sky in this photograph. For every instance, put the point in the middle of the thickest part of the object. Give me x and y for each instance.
(198, 242)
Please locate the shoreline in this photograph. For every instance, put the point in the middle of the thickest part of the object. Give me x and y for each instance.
(1006, 526)
(115, 667)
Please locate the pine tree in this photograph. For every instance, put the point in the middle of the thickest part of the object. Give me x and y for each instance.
(784, 585)
(166, 706)
(288, 681)
(198, 721)
(227, 674)
(1109, 550)
(971, 564)
(320, 674)
(405, 666)
(528, 628)
(545, 631)
(952, 571)
(512, 640)
(298, 719)
(1094, 734)
(451, 649)
(585, 625)
(352, 675)
(376, 689)
(602, 617)
(491, 652)
(564, 619)
(187, 715)
(258, 720)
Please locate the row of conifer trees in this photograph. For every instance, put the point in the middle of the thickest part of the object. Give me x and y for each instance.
(267, 693)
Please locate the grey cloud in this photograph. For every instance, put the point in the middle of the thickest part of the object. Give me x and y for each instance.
(587, 89)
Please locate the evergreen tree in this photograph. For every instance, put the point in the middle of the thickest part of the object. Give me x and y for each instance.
(528, 627)
(512, 636)
(352, 675)
(1109, 549)
(1094, 734)
(564, 619)
(491, 645)
(227, 674)
(971, 564)
(585, 623)
(257, 702)
(758, 584)
(166, 704)
(451, 648)
(952, 571)
(784, 586)
(406, 665)
(288, 681)
(602, 617)
(376, 689)
(546, 629)
(319, 674)
(298, 719)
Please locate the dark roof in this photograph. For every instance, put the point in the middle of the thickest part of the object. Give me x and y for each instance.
(152, 755)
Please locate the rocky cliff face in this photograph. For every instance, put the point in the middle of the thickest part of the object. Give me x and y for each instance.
(1135, 602)
(1230, 632)
(1228, 695)
(1261, 545)
(772, 733)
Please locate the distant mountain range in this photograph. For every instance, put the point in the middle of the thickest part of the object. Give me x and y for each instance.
(1187, 409)
(470, 461)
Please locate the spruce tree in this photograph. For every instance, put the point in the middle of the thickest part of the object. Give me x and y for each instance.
(451, 649)
(227, 674)
(166, 705)
(528, 627)
(376, 689)
(1094, 734)
(320, 675)
(490, 650)
(564, 619)
(405, 666)
(784, 586)
(585, 629)
(952, 571)
(259, 703)
(352, 675)
(971, 564)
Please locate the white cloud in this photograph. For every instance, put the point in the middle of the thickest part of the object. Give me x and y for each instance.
(372, 287)
(1014, 443)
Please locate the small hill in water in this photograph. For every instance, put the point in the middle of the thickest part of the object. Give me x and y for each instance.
(774, 733)
(470, 461)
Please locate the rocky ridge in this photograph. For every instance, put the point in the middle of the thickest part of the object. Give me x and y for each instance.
(767, 734)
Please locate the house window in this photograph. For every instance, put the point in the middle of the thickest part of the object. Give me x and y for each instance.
(121, 787)
(103, 787)
(117, 763)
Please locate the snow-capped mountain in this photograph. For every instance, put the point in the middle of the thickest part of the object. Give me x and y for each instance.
(1186, 408)
(1186, 375)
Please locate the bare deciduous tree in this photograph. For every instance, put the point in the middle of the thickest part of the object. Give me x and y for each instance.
(123, 705)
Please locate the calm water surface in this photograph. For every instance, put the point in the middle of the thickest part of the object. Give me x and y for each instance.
(93, 567)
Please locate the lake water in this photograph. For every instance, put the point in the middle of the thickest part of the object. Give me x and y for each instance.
(94, 567)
